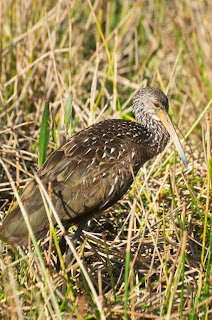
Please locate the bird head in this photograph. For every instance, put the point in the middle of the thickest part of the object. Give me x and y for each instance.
(151, 104)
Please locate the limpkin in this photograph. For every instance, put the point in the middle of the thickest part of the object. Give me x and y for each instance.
(93, 169)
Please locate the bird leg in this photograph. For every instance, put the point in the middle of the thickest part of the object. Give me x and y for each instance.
(63, 245)
(75, 238)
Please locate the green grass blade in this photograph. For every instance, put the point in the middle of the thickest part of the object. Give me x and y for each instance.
(177, 275)
(68, 112)
(126, 286)
(110, 268)
(44, 135)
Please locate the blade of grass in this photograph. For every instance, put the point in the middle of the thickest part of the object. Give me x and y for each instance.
(68, 109)
(110, 269)
(183, 266)
(44, 135)
(127, 263)
(209, 186)
(177, 275)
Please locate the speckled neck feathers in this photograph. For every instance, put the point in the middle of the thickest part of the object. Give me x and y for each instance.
(157, 135)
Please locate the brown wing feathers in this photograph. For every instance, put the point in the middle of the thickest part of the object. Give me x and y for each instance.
(88, 173)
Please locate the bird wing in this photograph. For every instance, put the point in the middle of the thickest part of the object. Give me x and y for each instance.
(92, 174)
(89, 173)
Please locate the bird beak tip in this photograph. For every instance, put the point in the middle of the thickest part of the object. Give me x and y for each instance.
(185, 161)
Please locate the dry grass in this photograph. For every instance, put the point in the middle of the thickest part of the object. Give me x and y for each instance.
(154, 260)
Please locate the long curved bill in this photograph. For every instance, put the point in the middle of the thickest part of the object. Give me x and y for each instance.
(164, 118)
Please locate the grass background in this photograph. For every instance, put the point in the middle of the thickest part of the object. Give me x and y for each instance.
(148, 257)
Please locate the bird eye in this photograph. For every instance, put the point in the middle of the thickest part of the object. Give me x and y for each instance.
(157, 105)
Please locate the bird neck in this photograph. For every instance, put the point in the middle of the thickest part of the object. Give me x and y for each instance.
(156, 133)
